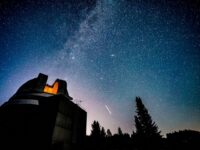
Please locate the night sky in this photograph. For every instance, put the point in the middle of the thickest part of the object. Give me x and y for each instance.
(109, 52)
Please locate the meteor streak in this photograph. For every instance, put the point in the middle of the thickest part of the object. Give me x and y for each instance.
(108, 110)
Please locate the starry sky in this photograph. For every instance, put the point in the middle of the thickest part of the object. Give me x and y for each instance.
(109, 52)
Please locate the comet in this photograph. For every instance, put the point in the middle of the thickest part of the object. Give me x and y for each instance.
(108, 110)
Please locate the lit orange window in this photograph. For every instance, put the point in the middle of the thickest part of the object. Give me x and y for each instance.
(51, 89)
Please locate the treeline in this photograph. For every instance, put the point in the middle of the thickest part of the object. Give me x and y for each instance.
(146, 136)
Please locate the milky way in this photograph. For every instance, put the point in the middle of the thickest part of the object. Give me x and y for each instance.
(109, 52)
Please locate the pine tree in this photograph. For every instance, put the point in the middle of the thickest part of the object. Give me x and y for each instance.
(120, 131)
(103, 133)
(145, 127)
(109, 134)
(96, 129)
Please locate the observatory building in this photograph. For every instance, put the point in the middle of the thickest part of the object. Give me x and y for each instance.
(39, 116)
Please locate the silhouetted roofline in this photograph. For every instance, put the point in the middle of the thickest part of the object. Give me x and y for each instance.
(39, 86)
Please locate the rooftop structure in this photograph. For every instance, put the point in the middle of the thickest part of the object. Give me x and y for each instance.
(40, 116)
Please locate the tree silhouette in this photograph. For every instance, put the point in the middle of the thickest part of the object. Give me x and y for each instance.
(109, 134)
(96, 130)
(120, 131)
(184, 140)
(103, 133)
(143, 121)
(147, 135)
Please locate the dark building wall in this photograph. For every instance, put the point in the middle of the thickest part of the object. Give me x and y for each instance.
(70, 120)
(55, 123)
(27, 126)
(37, 120)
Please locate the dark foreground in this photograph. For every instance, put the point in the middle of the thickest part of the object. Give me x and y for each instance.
(182, 140)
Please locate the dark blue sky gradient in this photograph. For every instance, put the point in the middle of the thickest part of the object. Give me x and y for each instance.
(109, 51)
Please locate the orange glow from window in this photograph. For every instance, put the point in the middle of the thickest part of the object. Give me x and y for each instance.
(51, 89)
